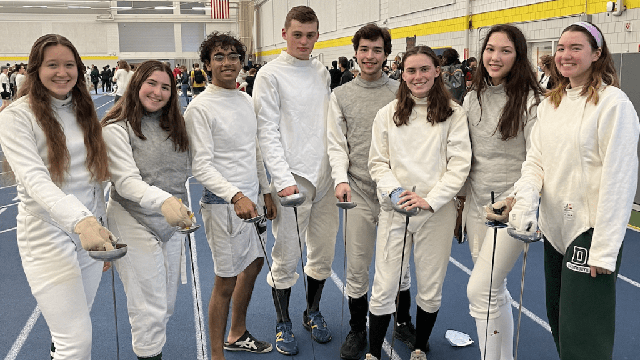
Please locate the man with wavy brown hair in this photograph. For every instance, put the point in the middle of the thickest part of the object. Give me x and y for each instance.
(352, 108)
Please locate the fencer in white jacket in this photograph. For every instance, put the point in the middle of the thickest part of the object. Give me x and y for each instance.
(62, 209)
(583, 161)
(291, 97)
(419, 140)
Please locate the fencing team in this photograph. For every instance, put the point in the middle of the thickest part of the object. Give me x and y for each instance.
(383, 144)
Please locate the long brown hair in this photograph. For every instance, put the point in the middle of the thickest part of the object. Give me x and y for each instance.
(602, 71)
(130, 107)
(123, 64)
(518, 83)
(40, 104)
(438, 97)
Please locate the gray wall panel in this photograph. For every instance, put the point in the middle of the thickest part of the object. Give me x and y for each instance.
(146, 37)
(192, 36)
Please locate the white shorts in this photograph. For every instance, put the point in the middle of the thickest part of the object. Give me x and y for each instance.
(234, 243)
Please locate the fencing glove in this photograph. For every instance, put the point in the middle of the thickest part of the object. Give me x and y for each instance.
(94, 236)
(176, 213)
(523, 217)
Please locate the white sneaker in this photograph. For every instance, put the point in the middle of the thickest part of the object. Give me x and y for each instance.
(418, 355)
(370, 357)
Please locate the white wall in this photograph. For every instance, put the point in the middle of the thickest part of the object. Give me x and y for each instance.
(350, 15)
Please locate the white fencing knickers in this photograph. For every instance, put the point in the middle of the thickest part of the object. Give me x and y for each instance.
(63, 279)
(318, 220)
(361, 242)
(508, 250)
(150, 274)
(431, 250)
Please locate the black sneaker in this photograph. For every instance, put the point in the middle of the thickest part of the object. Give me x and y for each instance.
(247, 342)
(406, 333)
(354, 346)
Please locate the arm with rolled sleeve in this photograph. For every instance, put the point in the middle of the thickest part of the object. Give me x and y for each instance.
(200, 126)
(379, 158)
(458, 162)
(618, 131)
(266, 100)
(337, 142)
(125, 174)
(20, 148)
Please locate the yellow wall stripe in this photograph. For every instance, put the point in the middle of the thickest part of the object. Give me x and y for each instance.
(539, 11)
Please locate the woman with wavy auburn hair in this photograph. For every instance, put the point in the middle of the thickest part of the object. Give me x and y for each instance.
(584, 162)
(420, 140)
(149, 159)
(53, 142)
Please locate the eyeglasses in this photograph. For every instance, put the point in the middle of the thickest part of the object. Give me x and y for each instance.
(233, 58)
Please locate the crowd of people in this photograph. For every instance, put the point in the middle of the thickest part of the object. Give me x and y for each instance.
(397, 144)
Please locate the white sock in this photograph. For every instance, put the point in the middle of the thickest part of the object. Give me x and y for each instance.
(505, 323)
(493, 340)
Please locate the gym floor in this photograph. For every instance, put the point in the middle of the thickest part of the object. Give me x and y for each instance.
(25, 334)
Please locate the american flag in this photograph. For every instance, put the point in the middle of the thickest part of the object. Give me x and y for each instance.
(219, 9)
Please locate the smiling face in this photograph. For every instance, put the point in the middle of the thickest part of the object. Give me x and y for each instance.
(224, 73)
(58, 72)
(574, 57)
(300, 38)
(371, 57)
(498, 57)
(155, 92)
(420, 73)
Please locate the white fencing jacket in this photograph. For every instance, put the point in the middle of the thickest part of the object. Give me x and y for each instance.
(225, 157)
(583, 157)
(25, 147)
(434, 158)
(291, 99)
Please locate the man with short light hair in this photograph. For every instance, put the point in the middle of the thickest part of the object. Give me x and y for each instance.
(291, 94)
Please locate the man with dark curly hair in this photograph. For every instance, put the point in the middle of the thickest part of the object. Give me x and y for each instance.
(226, 160)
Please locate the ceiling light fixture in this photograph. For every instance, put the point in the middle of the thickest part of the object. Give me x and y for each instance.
(164, 7)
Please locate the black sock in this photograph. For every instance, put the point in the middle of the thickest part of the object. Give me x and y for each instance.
(358, 308)
(377, 330)
(156, 357)
(404, 306)
(281, 302)
(424, 326)
(53, 349)
(314, 293)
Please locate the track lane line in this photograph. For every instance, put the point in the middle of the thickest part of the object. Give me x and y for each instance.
(17, 345)
(514, 303)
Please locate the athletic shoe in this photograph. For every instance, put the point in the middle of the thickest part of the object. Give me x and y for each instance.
(314, 322)
(354, 346)
(418, 355)
(370, 357)
(406, 333)
(285, 341)
(247, 342)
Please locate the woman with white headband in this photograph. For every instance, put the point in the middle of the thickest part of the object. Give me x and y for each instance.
(583, 160)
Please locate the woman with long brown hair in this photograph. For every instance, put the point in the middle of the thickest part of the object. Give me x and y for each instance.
(501, 111)
(584, 160)
(148, 152)
(53, 142)
(122, 77)
(419, 140)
